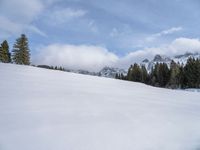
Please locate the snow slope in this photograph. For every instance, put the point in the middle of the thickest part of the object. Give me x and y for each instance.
(44, 109)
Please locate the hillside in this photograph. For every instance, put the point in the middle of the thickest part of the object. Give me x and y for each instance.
(43, 109)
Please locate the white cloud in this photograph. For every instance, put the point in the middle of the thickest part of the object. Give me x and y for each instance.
(181, 45)
(63, 15)
(164, 32)
(170, 31)
(85, 57)
(94, 58)
(176, 47)
(16, 16)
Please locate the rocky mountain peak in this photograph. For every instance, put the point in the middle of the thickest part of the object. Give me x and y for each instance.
(145, 61)
(159, 58)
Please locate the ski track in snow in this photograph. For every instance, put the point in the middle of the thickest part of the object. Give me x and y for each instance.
(44, 109)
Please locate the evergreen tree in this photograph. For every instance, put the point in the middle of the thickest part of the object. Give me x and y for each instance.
(181, 78)
(116, 76)
(129, 75)
(4, 52)
(164, 74)
(160, 75)
(122, 77)
(191, 73)
(198, 72)
(144, 74)
(136, 73)
(154, 75)
(177, 76)
(174, 75)
(21, 52)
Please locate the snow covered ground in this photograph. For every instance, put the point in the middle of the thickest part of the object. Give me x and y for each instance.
(44, 109)
(193, 90)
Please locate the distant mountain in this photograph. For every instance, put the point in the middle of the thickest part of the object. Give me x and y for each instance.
(85, 72)
(181, 59)
(111, 72)
(108, 72)
(157, 59)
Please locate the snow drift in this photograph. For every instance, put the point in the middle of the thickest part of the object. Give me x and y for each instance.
(44, 109)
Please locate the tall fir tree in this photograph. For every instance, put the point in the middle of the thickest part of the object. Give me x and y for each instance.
(136, 73)
(21, 52)
(154, 75)
(198, 72)
(129, 74)
(164, 74)
(182, 78)
(144, 74)
(174, 75)
(191, 73)
(4, 52)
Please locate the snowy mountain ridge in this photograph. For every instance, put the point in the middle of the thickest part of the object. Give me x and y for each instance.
(181, 59)
(111, 72)
(108, 72)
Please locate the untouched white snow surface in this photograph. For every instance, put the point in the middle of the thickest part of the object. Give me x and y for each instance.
(43, 109)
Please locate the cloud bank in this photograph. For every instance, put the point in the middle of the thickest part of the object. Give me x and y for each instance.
(176, 47)
(84, 57)
(94, 58)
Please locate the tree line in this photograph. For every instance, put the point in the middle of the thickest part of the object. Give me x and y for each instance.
(162, 75)
(52, 67)
(20, 53)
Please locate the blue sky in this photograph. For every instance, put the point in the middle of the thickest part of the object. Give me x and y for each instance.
(122, 30)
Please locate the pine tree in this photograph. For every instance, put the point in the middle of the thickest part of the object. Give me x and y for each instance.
(164, 74)
(4, 52)
(144, 74)
(160, 75)
(116, 76)
(154, 75)
(198, 72)
(191, 73)
(129, 77)
(181, 77)
(122, 77)
(21, 52)
(174, 75)
(136, 73)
